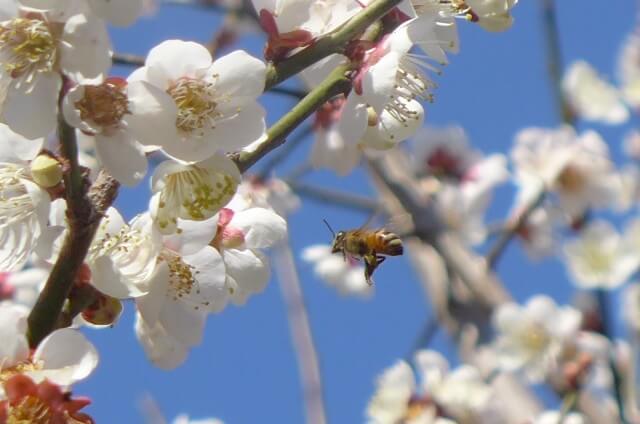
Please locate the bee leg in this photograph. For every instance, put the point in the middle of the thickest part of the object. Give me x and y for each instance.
(380, 259)
(371, 262)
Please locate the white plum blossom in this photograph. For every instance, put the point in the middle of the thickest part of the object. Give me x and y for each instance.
(273, 194)
(24, 209)
(216, 101)
(592, 98)
(394, 389)
(600, 258)
(462, 210)
(537, 233)
(121, 118)
(576, 169)
(631, 144)
(241, 233)
(629, 70)
(17, 146)
(338, 128)
(191, 191)
(188, 283)
(492, 15)
(461, 393)
(345, 276)
(462, 206)
(553, 417)
(162, 348)
(184, 419)
(117, 12)
(34, 54)
(23, 286)
(530, 338)
(123, 257)
(64, 357)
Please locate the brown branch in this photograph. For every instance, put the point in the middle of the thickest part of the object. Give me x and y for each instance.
(512, 228)
(84, 212)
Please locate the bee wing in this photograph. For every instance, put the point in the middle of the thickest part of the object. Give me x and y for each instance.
(399, 224)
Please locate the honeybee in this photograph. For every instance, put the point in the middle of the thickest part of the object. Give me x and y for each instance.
(370, 245)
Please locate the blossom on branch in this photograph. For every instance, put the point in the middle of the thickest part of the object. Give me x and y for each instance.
(216, 101)
(120, 117)
(194, 191)
(601, 258)
(531, 338)
(35, 55)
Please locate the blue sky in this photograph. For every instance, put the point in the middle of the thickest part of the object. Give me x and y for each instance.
(246, 370)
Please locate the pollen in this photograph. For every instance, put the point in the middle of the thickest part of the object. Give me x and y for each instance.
(181, 277)
(198, 192)
(27, 48)
(197, 102)
(30, 409)
(104, 105)
(571, 179)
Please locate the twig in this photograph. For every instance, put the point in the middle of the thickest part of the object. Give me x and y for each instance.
(275, 159)
(511, 229)
(429, 330)
(569, 401)
(554, 60)
(607, 330)
(361, 203)
(301, 334)
(83, 216)
(336, 83)
(334, 42)
(127, 59)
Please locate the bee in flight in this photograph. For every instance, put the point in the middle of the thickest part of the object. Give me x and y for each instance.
(373, 246)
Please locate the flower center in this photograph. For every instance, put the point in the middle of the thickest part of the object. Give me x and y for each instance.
(329, 113)
(535, 338)
(441, 163)
(181, 275)
(104, 105)
(571, 179)
(196, 194)
(30, 409)
(197, 103)
(597, 258)
(226, 236)
(27, 48)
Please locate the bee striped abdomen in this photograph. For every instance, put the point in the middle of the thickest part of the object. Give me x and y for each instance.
(387, 243)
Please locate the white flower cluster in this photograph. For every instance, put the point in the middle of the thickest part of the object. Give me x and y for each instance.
(539, 342)
(200, 245)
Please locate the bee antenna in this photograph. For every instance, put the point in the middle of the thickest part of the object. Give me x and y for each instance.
(329, 227)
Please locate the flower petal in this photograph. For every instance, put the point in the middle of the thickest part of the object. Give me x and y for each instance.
(67, 357)
(260, 227)
(85, 52)
(33, 115)
(122, 157)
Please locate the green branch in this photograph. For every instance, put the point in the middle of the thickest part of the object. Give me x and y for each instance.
(334, 42)
(336, 83)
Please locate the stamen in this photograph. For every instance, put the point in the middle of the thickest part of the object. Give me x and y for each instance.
(104, 104)
(197, 102)
(27, 48)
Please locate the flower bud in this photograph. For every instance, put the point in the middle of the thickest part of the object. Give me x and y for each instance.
(372, 117)
(46, 171)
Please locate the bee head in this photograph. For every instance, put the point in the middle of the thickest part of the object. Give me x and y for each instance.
(338, 242)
